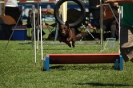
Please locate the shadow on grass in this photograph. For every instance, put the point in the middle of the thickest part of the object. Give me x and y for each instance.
(57, 67)
(57, 49)
(102, 84)
(22, 48)
(24, 43)
(83, 67)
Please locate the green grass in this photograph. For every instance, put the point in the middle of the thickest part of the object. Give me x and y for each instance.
(17, 68)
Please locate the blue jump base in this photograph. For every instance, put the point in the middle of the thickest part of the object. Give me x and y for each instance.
(82, 59)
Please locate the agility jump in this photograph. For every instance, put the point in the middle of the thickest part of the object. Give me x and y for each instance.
(82, 59)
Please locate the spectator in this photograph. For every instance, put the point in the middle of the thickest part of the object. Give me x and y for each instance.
(108, 22)
(111, 22)
(30, 21)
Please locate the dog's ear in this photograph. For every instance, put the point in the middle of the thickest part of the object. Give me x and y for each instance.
(66, 23)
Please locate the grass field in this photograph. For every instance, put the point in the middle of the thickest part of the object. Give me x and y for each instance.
(17, 68)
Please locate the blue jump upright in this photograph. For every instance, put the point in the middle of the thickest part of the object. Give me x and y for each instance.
(83, 59)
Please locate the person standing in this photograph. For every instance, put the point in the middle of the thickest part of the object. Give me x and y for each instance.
(12, 9)
(126, 31)
(109, 22)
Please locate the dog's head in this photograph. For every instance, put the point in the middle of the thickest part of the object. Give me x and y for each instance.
(64, 29)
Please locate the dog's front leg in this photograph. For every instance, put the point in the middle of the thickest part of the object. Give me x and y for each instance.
(60, 40)
(70, 35)
(69, 39)
(68, 43)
